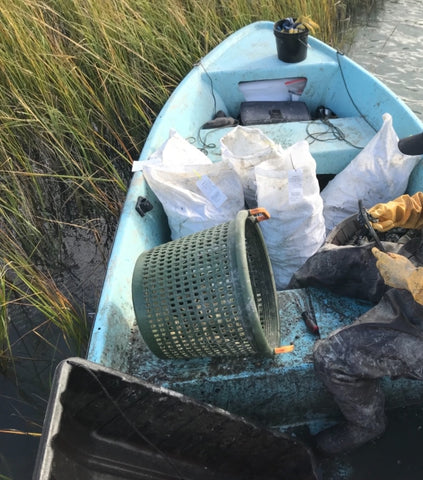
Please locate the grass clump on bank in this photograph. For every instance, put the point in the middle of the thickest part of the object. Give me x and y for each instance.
(81, 82)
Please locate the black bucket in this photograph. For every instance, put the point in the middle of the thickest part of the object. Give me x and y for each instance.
(291, 47)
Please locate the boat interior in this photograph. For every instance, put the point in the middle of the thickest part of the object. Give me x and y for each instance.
(281, 390)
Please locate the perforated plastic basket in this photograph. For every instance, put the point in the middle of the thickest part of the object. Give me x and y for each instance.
(209, 294)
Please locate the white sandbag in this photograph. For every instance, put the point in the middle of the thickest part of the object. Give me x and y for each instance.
(288, 188)
(244, 148)
(379, 173)
(176, 153)
(195, 193)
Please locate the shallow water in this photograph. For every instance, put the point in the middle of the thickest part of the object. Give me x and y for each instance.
(17, 452)
(389, 44)
(23, 401)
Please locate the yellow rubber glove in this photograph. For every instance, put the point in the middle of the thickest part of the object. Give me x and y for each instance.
(398, 272)
(404, 211)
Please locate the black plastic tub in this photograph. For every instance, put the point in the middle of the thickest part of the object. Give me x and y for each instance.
(102, 424)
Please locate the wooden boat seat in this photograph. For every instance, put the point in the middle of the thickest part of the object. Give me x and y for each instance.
(331, 153)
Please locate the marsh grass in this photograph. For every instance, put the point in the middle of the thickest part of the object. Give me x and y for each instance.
(26, 285)
(81, 82)
(5, 346)
(13, 431)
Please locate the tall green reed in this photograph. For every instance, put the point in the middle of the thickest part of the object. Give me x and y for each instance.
(24, 283)
(5, 346)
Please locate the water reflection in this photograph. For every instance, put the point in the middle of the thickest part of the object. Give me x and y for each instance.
(25, 390)
(17, 452)
(388, 43)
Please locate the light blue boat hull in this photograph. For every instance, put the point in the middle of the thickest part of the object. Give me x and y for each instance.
(282, 390)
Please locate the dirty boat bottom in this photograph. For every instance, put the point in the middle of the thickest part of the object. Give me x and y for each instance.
(281, 391)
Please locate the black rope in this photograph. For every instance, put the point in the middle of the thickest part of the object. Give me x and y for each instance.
(332, 132)
(205, 147)
(338, 54)
(203, 142)
(199, 64)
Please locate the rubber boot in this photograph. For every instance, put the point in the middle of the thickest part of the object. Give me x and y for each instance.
(346, 437)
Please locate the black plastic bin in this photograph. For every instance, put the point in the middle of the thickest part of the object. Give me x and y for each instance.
(103, 424)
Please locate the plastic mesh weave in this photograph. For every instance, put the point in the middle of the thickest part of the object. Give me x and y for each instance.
(190, 301)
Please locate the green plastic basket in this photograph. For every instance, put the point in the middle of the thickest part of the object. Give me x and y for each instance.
(210, 294)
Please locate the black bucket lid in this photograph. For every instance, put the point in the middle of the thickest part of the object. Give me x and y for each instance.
(412, 145)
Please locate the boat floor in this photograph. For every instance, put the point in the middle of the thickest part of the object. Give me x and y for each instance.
(278, 391)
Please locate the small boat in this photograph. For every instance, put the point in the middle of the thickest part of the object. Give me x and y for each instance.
(275, 390)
